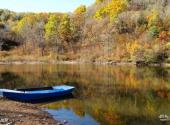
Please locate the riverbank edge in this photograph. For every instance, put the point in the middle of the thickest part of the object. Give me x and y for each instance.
(18, 113)
(119, 63)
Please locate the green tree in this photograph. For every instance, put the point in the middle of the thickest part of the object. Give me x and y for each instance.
(65, 31)
(51, 28)
(65, 28)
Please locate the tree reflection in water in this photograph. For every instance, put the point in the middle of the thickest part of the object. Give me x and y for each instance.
(109, 94)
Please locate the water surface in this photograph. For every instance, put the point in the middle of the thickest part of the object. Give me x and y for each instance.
(104, 95)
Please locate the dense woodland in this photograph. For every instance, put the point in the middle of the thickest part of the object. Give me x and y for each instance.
(108, 30)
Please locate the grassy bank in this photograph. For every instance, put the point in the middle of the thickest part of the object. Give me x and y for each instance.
(29, 59)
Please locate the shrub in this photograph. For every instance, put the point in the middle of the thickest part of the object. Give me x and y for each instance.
(154, 31)
(142, 20)
(126, 23)
(4, 54)
(160, 57)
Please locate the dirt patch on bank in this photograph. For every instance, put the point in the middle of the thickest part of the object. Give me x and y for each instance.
(15, 113)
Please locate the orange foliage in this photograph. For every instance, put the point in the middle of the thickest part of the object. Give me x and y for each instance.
(163, 35)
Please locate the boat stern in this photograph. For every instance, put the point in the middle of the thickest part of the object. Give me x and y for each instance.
(64, 87)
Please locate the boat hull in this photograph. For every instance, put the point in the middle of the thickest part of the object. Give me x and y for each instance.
(37, 95)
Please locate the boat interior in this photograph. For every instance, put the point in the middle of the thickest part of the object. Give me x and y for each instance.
(35, 89)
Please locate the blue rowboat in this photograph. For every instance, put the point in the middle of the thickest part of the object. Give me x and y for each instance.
(33, 94)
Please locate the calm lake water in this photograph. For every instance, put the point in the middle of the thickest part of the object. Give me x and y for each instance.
(104, 95)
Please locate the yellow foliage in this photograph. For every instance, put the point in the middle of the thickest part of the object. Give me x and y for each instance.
(80, 10)
(112, 9)
(132, 47)
(28, 19)
(99, 1)
(153, 18)
(51, 26)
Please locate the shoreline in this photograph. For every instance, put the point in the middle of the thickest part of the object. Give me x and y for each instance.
(117, 63)
(17, 113)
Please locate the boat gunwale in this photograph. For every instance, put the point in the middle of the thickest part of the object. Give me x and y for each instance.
(51, 90)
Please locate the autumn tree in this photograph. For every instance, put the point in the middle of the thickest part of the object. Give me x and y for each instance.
(112, 9)
(52, 32)
(51, 28)
(80, 10)
(5, 15)
(98, 1)
(77, 24)
(65, 30)
(154, 23)
(30, 30)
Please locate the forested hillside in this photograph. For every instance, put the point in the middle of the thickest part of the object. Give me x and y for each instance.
(108, 30)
